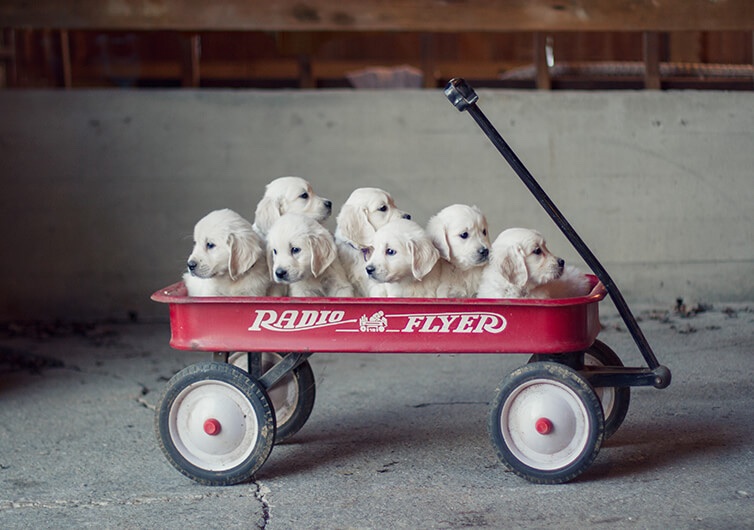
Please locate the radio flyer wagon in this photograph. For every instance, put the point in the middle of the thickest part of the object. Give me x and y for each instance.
(217, 421)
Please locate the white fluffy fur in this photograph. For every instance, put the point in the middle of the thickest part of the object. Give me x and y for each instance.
(572, 283)
(289, 195)
(521, 266)
(364, 212)
(459, 232)
(227, 258)
(301, 254)
(404, 260)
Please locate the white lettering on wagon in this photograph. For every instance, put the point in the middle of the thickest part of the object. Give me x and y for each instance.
(295, 320)
(481, 322)
(451, 322)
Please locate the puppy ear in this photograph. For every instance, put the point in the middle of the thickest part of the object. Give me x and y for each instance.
(268, 211)
(244, 253)
(354, 225)
(513, 266)
(438, 232)
(424, 256)
(323, 253)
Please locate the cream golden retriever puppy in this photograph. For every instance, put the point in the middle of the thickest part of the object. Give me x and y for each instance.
(289, 195)
(404, 260)
(521, 266)
(301, 254)
(364, 212)
(227, 258)
(459, 232)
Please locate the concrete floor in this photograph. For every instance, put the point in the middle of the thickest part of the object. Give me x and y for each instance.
(394, 441)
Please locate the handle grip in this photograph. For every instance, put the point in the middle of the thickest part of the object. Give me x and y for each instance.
(460, 94)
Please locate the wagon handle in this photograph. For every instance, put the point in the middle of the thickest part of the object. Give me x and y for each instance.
(463, 97)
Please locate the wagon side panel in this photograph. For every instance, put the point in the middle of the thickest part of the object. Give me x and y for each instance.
(383, 326)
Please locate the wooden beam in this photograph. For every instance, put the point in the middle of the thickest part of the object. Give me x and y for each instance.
(541, 64)
(8, 72)
(65, 59)
(428, 61)
(378, 15)
(191, 45)
(652, 61)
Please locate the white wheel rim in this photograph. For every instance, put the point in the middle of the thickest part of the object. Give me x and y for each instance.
(606, 394)
(283, 395)
(228, 411)
(554, 403)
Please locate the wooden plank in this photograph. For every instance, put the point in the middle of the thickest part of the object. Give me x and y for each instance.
(428, 61)
(277, 69)
(191, 46)
(652, 61)
(65, 59)
(541, 64)
(378, 15)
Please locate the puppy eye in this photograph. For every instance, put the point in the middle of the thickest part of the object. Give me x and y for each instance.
(210, 246)
(295, 250)
(464, 235)
(274, 252)
(390, 252)
(304, 196)
(537, 251)
(484, 232)
(382, 208)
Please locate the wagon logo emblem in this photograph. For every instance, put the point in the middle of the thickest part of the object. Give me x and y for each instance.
(376, 322)
(451, 322)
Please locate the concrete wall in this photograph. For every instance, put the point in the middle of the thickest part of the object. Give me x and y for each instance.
(100, 189)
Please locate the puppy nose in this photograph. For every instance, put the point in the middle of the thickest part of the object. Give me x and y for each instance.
(484, 252)
(561, 262)
(328, 204)
(191, 265)
(407, 216)
(281, 273)
(370, 269)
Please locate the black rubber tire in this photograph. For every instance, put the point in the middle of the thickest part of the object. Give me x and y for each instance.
(248, 403)
(300, 384)
(546, 389)
(615, 400)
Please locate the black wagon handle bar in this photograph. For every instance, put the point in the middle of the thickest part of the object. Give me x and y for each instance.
(463, 97)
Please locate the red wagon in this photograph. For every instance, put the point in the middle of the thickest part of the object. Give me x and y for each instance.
(217, 421)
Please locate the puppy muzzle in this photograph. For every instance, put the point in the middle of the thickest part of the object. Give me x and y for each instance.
(196, 270)
(281, 275)
(561, 268)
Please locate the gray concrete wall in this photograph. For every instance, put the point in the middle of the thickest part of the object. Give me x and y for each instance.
(100, 189)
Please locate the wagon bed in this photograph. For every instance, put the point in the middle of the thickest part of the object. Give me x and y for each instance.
(382, 325)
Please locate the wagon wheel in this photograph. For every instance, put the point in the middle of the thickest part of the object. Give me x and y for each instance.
(292, 397)
(546, 423)
(615, 400)
(215, 424)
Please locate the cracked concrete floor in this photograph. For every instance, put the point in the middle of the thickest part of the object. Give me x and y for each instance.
(395, 441)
